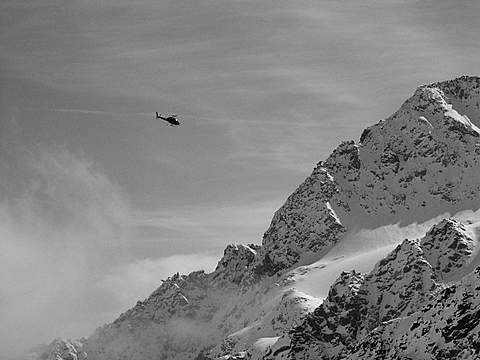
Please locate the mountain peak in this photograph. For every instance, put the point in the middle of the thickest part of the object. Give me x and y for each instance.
(448, 246)
(402, 168)
(233, 267)
(64, 349)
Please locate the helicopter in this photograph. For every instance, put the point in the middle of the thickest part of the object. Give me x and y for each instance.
(171, 119)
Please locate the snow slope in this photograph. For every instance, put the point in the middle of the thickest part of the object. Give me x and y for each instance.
(371, 240)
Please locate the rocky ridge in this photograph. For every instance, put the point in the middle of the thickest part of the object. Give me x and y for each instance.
(416, 165)
(401, 284)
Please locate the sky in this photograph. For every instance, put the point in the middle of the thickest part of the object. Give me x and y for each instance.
(99, 201)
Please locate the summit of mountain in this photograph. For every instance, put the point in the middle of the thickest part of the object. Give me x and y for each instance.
(414, 166)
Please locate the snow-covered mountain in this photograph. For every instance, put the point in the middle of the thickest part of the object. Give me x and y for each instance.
(373, 256)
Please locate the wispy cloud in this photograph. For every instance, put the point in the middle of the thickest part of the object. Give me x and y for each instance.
(134, 281)
(81, 111)
(66, 225)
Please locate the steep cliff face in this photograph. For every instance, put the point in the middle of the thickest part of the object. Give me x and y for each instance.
(304, 225)
(417, 165)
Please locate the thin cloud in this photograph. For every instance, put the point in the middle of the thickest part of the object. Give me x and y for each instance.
(95, 112)
(100, 112)
(66, 226)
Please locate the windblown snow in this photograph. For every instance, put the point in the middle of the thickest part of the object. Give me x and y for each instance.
(374, 256)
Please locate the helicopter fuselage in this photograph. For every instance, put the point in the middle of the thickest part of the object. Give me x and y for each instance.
(172, 120)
